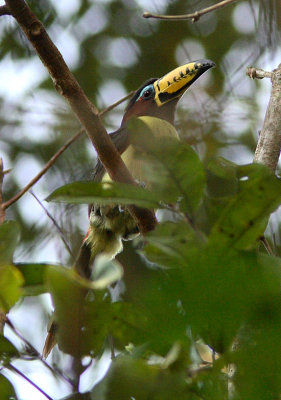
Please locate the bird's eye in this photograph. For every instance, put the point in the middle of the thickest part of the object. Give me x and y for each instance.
(147, 92)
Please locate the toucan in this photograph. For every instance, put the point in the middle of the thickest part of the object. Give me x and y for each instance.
(155, 100)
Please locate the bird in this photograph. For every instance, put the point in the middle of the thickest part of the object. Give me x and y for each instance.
(155, 98)
(155, 101)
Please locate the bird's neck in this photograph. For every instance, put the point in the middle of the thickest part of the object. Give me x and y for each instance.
(166, 112)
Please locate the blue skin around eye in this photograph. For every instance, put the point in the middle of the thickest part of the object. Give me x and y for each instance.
(150, 88)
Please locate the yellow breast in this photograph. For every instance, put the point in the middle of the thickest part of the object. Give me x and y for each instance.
(159, 128)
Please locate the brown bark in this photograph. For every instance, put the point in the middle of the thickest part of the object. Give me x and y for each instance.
(269, 143)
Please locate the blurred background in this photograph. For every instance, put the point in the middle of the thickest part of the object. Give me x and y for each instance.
(111, 50)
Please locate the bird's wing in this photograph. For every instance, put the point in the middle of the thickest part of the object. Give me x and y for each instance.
(120, 139)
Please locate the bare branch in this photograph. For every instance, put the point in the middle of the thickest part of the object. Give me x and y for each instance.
(43, 171)
(256, 73)
(109, 108)
(4, 10)
(86, 112)
(54, 158)
(266, 246)
(62, 236)
(193, 16)
(269, 143)
(32, 350)
(18, 372)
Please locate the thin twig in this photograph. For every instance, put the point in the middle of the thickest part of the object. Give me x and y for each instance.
(257, 73)
(42, 172)
(111, 345)
(266, 246)
(17, 371)
(62, 236)
(193, 16)
(2, 209)
(54, 158)
(32, 350)
(4, 10)
(109, 108)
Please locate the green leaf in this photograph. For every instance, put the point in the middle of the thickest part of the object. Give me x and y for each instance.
(245, 217)
(222, 186)
(11, 281)
(78, 396)
(164, 320)
(68, 297)
(221, 291)
(9, 237)
(169, 243)
(130, 378)
(105, 193)
(257, 359)
(172, 167)
(6, 389)
(222, 178)
(212, 385)
(34, 277)
(211, 292)
(105, 272)
(7, 351)
(82, 316)
(129, 324)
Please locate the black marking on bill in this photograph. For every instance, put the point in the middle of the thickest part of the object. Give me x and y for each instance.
(200, 69)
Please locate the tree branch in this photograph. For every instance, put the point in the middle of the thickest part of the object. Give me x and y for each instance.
(193, 16)
(32, 350)
(54, 158)
(17, 371)
(256, 73)
(109, 108)
(47, 166)
(86, 112)
(269, 143)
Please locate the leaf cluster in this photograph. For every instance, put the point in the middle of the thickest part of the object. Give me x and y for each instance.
(200, 278)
